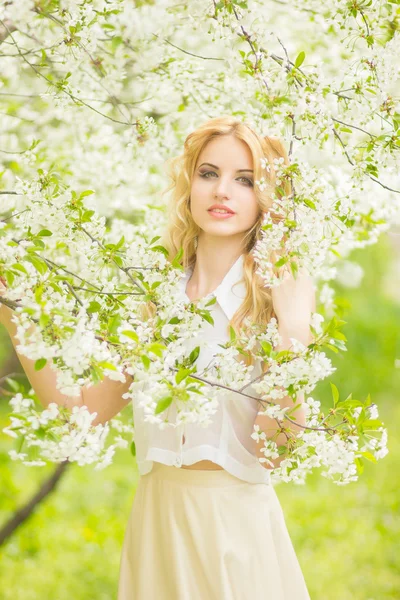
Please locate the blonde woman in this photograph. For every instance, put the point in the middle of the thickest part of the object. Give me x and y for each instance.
(206, 523)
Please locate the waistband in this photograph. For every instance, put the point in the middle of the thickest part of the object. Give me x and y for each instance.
(201, 477)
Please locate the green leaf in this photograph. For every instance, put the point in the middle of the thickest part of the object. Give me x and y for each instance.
(232, 333)
(359, 465)
(369, 456)
(339, 336)
(206, 316)
(18, 267)
(40, 432)
(120, 243)
(10, 278)
(331, 347)
(335, 394)
(44, 320)
(282, 261)
(194, 390)
(159, 249)
(146, 361)
(174, 321)
(156, 348)
(96, 374)
(39, 264)
(39, 245)
(39, 294)
(45, 233)
(114, 323)
(87, 215)
(267, 347)
(163, 404)
(299, 60)
(309, 203)
(349, 404)
(212, 301)
(94, 307)
(182, 374)
(116, 41)
(40, 363)
(107, 365)
(176, 261)
(193, 356)
(133, 448)
(372, 424)
(131, 334)
(14, 385)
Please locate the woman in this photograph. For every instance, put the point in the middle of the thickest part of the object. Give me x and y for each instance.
(206, 522)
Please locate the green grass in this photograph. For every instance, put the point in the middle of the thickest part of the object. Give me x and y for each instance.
(346, 537)
(70, 547)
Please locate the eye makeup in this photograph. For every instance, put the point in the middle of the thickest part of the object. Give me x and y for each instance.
(204, 175)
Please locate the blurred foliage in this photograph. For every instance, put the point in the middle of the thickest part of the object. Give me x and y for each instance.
(346, 537)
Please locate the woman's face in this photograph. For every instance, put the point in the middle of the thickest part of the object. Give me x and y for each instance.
(224, 176)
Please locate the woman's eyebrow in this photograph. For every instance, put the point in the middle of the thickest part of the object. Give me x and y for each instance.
(238, 171)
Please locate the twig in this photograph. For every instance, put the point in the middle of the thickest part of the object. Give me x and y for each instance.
(353, 127)
(123, 269)
(74, 98)
(77, 287)
(182, 50)
(15, 215)
(10, 375)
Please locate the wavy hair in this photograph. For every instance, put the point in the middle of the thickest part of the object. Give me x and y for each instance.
(182, 231)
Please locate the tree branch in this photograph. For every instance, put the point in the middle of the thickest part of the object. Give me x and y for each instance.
(22, 514)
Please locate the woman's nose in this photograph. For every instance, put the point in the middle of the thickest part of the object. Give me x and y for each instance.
(222, 188)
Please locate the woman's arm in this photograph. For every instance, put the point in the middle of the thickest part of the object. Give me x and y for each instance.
(294, 301)
(104, 398)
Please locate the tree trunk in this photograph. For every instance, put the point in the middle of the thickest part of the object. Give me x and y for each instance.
(24, 512)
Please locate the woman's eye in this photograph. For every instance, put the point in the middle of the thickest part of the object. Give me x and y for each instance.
(246, 179)
(204, 175)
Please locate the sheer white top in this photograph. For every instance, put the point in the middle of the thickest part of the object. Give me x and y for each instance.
(227, 440)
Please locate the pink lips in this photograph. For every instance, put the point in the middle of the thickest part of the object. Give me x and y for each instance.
(220, 215)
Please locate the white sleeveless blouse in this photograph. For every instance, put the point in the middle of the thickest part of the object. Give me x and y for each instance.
(227, 440)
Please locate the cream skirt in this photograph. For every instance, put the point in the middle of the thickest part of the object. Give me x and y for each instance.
(207, 535)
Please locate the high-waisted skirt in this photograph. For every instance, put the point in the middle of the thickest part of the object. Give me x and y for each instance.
(207, 535)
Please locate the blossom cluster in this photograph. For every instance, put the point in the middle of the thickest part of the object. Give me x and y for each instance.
(56, 434)
(100, 94)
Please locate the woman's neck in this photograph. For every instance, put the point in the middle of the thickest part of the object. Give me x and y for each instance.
(213, 262)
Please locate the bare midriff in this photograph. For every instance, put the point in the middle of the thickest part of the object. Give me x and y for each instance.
(206, 465)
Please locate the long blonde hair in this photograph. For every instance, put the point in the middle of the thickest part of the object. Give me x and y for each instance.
(182, 231)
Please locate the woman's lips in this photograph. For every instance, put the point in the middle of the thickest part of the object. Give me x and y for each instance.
(220, 215)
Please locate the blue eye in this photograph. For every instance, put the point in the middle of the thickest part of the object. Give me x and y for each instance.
(204, 175)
